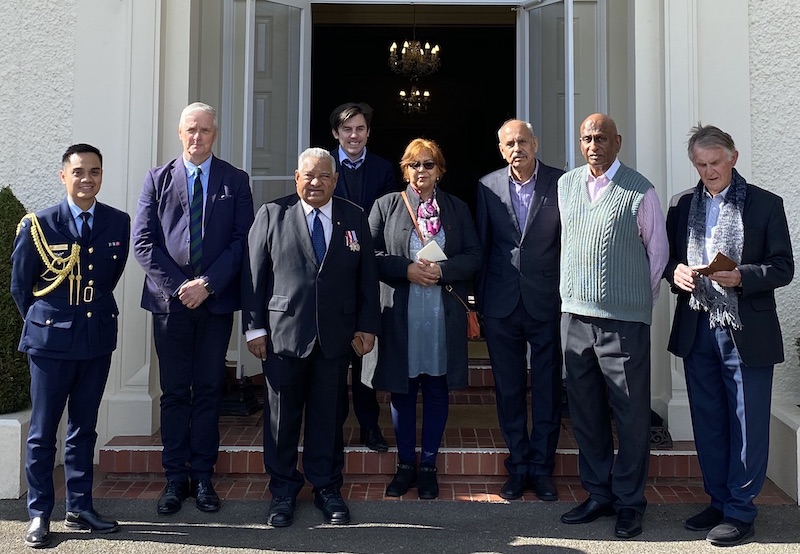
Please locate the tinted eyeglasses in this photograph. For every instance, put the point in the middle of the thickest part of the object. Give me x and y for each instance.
(417, 165)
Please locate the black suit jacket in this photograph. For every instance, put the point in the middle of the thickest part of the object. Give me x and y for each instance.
(298, 302)
(767, 264)
(379, 179)
(78, 319)
(519, 262)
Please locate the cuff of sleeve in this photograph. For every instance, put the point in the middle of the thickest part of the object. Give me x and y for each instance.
(251, 334)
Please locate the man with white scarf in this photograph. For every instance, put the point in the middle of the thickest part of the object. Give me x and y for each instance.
(726, 327)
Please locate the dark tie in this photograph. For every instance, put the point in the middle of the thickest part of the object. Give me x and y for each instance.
(318, 238)
(196, 224)
(86, 231)
(350, 165)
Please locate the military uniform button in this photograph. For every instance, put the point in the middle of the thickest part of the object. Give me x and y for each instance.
(91, 267)
(88, 314)
(91, 250)
(48, 322)
(91, 282)
(114, 256)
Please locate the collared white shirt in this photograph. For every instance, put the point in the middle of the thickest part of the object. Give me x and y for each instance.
(326, 217)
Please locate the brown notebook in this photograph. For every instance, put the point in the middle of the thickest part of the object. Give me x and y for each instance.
(721, 262)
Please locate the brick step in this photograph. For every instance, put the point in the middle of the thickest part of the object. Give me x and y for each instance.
(472, 445)
(145, 462)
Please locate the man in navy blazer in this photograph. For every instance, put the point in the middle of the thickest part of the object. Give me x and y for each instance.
(517, 292)
(310, 297)
(726, 327)
(67, 259)
(363, 178)
(189, 236)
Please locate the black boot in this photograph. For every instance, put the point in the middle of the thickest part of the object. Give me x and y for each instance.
(427, 486)
(404, 479)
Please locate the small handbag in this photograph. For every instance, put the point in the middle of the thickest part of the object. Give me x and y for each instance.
(473, 317)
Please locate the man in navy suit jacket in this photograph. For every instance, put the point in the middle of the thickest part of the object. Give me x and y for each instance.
(310, 290)
(192, 284)
(517, 291)
(67, 259)
(726, 327)
(363, 178)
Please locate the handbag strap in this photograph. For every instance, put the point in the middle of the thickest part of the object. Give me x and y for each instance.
(413, 217)
(449, 288)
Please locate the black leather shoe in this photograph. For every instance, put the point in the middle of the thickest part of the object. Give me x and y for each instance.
(333, 508)
(373, 439)
(404, 479)
(589, 511)
(38, 533)
(731, 532)
(544, 488)
(629, 523)
(427, 485)
(91, 520)
(515, 486)
(704, 521)
(205, 495)
(281, 511)
(174, 493)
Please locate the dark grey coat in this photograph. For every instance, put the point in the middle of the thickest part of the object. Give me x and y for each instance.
(386, 367)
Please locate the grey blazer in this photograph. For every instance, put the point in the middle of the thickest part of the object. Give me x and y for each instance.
(386, 367)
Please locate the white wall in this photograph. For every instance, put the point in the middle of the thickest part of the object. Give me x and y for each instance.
(775, 119)
(37, 81)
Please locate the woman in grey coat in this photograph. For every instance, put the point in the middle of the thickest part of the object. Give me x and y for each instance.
(423, 340)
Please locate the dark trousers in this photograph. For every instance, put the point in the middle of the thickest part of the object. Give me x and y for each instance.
(365, 400)
(77, 385)
(315, 388)
(730, 406)
(435, 406)
(191, 347)
(508, 339)
(608, 363)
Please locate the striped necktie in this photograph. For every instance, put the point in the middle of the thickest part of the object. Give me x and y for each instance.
(196, 224)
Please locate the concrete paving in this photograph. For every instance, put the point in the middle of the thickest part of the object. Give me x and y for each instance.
(389, 526)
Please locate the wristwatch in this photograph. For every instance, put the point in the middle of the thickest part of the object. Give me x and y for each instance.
(208, 288)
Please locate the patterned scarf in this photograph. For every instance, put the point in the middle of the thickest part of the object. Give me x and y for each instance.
(721, 303)
(428, 217)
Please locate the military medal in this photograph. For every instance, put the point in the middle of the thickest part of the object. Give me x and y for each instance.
(351, 240)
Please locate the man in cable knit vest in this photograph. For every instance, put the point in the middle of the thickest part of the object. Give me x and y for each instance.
(613, 250)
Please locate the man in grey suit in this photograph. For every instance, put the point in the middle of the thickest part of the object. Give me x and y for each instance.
(517, 291)
(726, 327)
(310, 295)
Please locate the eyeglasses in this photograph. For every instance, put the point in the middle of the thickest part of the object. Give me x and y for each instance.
(427, 165)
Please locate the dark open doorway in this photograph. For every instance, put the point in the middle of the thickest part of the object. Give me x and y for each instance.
(472, 93)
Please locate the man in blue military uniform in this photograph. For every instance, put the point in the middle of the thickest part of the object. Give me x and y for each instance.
(66, 261)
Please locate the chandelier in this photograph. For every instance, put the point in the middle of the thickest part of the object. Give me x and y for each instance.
(414, 101)
(414, 59)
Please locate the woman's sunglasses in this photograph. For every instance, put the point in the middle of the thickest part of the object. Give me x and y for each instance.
(427, 165)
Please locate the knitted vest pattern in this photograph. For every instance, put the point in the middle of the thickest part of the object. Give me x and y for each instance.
(604, 268)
